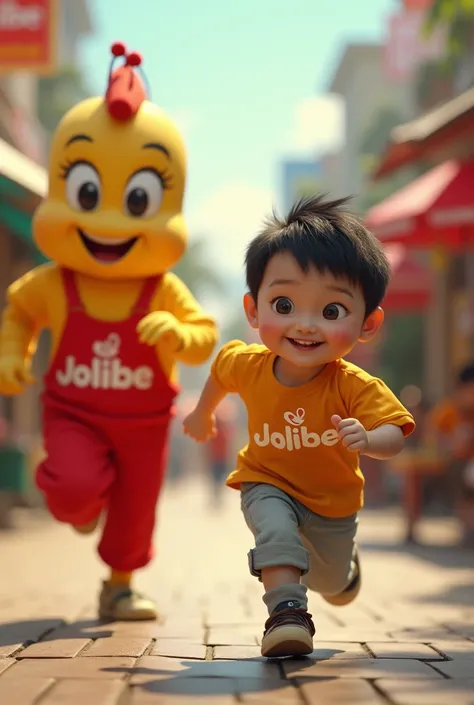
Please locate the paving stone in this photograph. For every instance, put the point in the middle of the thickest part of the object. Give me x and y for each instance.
(424, 635)
(407, 650)
(118, 646)
(21, 691)
(358, 668)
(427, 692)
(59, 648)
(99, 667)
(213, 691)
(6, 663)
(286, 695)
(13, 635)
(341, 691)
(84, 692)
(178, 649)
(459, 668)
(455, 649)
(235, 637)
(352, 635)
(10, 649)
(162, 667)
(226, 653)
(184, 691)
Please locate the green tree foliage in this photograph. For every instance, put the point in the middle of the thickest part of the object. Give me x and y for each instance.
(58, 93)
(458, 18)
(196, 271)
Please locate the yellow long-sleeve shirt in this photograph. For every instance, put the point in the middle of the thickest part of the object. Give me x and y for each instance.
(37, 301)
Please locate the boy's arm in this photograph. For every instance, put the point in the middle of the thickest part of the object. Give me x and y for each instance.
(182, 326)
(384, 442)
(200, 424)
(379, 422)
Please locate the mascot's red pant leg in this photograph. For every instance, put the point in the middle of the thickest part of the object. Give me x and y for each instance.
(120, 468)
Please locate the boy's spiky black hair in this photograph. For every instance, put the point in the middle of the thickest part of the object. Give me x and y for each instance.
(324, 234)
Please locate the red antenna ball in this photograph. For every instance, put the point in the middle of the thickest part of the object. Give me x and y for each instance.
(118, 49)
(134, 59)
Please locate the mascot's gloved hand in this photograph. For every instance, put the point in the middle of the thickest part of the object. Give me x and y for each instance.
(14, 374)
(161, 326)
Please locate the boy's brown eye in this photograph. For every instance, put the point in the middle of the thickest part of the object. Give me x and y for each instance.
(282, 305)
(332, 312)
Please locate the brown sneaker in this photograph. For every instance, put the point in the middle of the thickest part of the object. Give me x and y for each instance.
(349, 593)
(288, 631)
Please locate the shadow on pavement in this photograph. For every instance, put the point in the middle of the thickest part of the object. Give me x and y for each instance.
(439, 554)
(14, 633)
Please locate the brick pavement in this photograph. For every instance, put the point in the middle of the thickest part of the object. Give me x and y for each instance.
(408, 640)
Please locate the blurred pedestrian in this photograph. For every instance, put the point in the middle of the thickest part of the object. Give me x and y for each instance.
(219, 449)
(451, 427)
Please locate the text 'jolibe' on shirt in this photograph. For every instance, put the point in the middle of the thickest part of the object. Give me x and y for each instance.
(293, 444)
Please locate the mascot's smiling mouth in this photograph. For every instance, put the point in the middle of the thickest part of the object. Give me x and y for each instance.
(106, 250)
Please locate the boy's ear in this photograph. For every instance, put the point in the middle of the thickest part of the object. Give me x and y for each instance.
(250, 309)
(372, 325)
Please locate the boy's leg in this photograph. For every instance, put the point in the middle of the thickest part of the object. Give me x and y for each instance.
(278, 560)
(335, 569)
(126, 543)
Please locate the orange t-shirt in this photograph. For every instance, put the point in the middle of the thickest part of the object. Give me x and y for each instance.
(292, 443)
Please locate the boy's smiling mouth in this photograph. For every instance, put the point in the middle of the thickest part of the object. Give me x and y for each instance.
(302, 344)
(106, 250)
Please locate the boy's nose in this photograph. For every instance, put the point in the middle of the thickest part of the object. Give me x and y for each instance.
(306, 325)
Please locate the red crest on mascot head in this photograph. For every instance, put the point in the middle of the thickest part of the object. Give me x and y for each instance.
(125, 91)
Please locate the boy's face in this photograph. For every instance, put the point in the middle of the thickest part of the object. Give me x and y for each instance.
(309, 319)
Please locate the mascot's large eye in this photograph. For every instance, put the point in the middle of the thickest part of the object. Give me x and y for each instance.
(143, 194)
(83, 189)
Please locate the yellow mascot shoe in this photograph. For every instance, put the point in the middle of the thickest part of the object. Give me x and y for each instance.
(121, 603)
(87, 528)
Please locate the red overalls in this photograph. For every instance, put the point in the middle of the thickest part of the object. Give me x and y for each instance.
(107, 406)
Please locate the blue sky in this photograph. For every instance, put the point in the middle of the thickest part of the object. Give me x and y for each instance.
(239, 77)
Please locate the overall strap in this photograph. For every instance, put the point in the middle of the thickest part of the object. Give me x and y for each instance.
(142, 305)
(70, 287)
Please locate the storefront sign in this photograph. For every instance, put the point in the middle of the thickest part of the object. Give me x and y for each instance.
(406, 47)
(28, 35)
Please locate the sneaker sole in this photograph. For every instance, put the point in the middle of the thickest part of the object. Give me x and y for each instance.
(287, 641)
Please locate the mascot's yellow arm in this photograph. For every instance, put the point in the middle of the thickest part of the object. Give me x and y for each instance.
(37, 301)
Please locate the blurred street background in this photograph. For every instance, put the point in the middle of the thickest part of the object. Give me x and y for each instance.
(278, 100)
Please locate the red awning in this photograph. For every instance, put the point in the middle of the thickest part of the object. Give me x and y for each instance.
(444, 125)
(438, 207)
(410, 289)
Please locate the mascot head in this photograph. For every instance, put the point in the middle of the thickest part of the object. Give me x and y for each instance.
(117, 174)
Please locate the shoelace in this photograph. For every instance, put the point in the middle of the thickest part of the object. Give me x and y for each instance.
(300, 617)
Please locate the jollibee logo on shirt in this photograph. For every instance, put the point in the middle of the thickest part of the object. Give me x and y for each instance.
(106, 370)
(296, 435)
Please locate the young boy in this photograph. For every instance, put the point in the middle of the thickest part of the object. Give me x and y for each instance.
(315, 282)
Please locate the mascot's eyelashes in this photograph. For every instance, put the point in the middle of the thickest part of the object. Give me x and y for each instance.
(66, 167)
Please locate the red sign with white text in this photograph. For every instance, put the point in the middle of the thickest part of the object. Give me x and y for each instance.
(27, 35)
(406, 47)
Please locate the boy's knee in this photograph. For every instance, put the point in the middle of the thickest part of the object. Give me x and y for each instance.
(328, 580)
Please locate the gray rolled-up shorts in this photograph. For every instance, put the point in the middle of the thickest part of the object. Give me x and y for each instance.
(289, 534)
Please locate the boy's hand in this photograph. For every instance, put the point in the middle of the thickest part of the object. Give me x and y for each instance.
(200, 426)
(353, 435)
